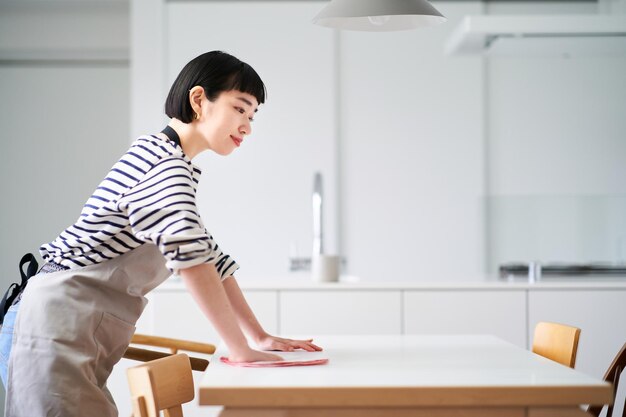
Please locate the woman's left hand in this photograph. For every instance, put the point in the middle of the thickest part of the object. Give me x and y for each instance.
(268, 342)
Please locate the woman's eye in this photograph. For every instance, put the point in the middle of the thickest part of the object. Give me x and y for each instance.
(242, 111)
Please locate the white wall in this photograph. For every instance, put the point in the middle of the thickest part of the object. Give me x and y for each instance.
(257, 202)
(412, 154)
(430, 160)
(89, 30)
(401, 181)
(556, 154)
(64, 112)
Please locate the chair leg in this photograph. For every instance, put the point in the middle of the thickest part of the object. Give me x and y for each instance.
(623, 405)
(139, 407)
(176, 411)
(609, 411)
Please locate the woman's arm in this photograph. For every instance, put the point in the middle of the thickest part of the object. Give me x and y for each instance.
(249, 323)
(204, 284)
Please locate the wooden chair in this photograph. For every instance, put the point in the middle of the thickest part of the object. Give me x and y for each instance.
(162, 384)
(557, 342)
(174, 345)
(612, 375)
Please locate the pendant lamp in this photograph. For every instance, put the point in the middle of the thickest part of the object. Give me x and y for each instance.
(378, 15)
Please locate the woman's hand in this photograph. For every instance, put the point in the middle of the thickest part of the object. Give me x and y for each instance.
(268, 342)
(251, 355)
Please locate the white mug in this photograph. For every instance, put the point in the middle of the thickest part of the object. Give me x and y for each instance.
(325, 268)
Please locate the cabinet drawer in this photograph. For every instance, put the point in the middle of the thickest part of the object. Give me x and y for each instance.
(308, 313)
(501, 313)
(176, 314)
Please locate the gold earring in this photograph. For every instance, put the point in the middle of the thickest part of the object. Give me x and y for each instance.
(195, 116)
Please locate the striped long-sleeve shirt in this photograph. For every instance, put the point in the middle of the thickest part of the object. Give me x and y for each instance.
(149, 196)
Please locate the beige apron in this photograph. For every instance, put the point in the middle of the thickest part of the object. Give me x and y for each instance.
(71, 328)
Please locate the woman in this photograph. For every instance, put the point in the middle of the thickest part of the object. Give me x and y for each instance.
(76, 317)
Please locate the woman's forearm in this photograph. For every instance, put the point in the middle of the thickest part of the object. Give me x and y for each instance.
(245, 316)
(204, 283)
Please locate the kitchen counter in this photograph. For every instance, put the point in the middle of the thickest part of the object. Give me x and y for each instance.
(350, 283)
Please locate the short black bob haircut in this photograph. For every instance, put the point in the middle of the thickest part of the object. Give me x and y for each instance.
(216, 72)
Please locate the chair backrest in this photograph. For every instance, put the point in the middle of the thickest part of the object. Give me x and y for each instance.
(612, 375)
(162, 384)
(557, 342)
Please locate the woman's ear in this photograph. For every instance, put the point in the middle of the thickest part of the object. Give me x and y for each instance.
(195, 99)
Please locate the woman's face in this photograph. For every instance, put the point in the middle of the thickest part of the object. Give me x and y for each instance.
(225, 122)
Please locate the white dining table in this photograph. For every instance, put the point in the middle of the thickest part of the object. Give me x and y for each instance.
(405, 375)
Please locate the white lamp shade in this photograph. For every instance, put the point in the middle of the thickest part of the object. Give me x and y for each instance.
(378, 15)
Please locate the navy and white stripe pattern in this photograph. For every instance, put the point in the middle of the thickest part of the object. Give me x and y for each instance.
(149, 196)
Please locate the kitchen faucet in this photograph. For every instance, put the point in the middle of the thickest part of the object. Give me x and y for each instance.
(304, 263)
(298, 263)
(318, 247)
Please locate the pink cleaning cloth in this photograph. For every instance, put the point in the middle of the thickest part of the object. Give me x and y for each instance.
(273, 364)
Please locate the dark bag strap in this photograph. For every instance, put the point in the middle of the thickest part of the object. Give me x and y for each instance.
(16, 289)
(33, 266)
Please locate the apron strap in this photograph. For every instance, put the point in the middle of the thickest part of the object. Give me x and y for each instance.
(30, 271)
(172, 135)
(16, 289)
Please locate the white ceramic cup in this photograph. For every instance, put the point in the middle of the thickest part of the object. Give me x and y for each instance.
(325, 268)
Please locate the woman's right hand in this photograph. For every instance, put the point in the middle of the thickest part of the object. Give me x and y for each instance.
(251, 355)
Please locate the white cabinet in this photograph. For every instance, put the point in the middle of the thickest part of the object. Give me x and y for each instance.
(308, 313)
(175, 314)
(501, 313)
(600, 314)
(265, 307)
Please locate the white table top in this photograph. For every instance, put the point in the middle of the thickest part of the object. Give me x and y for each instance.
(418, 363)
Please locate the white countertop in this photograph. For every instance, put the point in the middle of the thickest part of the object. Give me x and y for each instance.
(480, 283)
